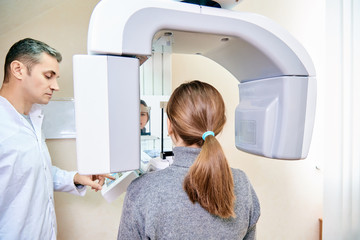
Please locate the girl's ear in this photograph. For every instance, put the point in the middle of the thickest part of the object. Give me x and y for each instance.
(169, 127)
(171, 133)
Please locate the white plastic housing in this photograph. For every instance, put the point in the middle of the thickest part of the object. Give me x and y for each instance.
(249, 46)
(257, 48)
(275, 117)
(117, 187)
(106, 91)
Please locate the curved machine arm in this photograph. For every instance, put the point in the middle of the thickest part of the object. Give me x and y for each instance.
(276, 77)
(257, 47)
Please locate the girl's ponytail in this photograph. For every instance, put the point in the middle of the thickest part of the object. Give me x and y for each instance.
(209, 180)
(193, 109)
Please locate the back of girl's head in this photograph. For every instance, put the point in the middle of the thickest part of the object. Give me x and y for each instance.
(193, 109)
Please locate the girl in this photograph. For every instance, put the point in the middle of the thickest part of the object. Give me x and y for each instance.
(199, 196)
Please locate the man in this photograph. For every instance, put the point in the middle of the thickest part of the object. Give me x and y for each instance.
(27, 176)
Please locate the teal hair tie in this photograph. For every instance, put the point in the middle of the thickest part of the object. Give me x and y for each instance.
(207, 134)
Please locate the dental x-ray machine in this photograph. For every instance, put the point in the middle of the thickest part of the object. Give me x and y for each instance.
(277, 84)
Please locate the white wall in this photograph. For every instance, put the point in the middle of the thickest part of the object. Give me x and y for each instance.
(342, 168)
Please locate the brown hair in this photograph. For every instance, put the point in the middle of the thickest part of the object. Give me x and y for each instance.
(194, 108)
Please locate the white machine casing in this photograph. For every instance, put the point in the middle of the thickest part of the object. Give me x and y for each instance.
(106, 93)
(277, 84)
(273, 120)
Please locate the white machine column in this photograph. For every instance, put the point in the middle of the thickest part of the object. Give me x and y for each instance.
(107, 113)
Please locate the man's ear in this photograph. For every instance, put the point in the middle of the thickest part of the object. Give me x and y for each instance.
(17, 69)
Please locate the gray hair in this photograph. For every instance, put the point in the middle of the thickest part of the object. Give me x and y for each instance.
(28, 52)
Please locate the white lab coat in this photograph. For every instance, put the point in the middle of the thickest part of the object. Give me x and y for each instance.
(27, 177)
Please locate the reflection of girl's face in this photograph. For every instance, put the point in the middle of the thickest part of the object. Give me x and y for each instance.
(143, 118)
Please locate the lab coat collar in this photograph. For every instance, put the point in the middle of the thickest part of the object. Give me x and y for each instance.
(35, 114)
(9, 108)
(37, 117)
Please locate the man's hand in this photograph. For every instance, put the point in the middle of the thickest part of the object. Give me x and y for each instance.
(94, 181)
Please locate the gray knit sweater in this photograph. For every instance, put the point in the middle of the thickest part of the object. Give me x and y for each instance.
(157, 207)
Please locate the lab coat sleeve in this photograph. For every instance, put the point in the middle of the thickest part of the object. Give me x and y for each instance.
(63, 181)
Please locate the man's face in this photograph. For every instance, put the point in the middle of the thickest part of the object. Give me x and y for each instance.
(41, 82)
